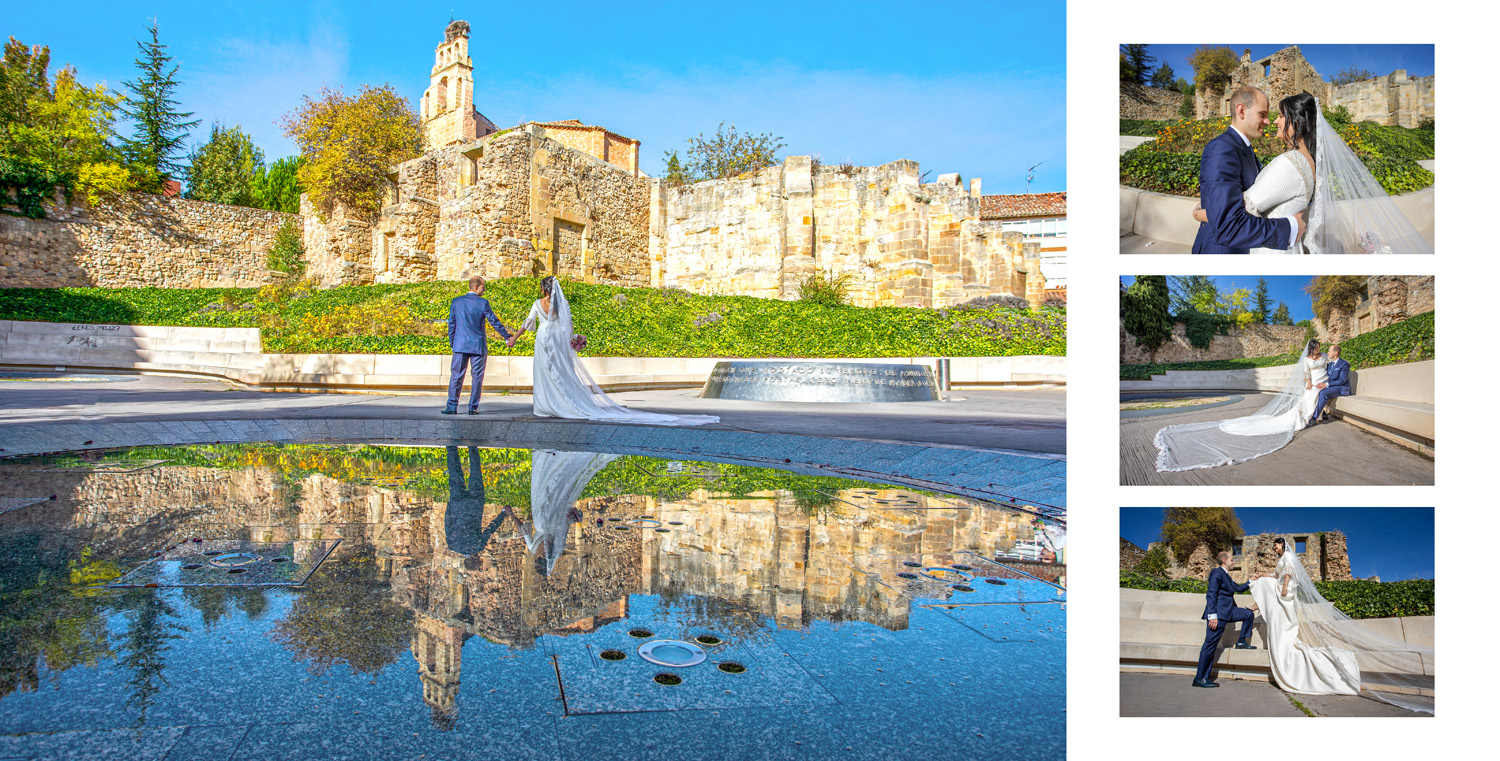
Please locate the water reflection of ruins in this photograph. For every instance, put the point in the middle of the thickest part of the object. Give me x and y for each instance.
(469, 567)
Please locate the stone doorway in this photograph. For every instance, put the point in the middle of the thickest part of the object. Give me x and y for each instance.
(567, 247)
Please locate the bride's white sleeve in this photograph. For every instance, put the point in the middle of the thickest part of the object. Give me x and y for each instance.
(1278, 183)
(530, 324)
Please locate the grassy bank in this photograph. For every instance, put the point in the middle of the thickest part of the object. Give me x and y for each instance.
(620, 322)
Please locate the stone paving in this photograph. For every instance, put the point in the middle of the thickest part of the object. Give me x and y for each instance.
(1173, 695)
(991, 444)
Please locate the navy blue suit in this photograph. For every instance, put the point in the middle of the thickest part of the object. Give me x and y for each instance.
(466, 318)
(1338, 385)
(1221, 592)
(1228, 167)
(463, 521)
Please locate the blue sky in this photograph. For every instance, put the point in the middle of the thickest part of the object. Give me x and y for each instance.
(979, 91)
(1327, 59)
(1284, 288)
(1394, 543)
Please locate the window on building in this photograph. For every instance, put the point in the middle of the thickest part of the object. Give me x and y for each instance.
(468, 167)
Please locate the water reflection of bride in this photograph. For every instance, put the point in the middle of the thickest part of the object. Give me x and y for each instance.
(557, 481)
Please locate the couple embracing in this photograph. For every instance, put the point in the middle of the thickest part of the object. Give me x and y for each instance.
(1316, 197)
(561, 386)
(1314, 648)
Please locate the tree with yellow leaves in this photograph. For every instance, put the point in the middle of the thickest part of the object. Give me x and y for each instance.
(349, 144)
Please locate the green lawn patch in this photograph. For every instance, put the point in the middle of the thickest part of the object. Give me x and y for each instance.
(620, 322)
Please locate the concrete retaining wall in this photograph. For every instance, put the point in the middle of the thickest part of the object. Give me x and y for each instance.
(1170, 218)
(235, 353)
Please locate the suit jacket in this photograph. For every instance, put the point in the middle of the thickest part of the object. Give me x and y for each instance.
(466, 317)
(1228, 167)
(1221, 592)
(1338, 376)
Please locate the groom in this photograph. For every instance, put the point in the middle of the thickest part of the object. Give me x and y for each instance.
(1228, 168)
(466, 318)
(1220, 613)
(1337, 385)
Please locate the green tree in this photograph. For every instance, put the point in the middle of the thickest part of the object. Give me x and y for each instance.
(1331, 292)
(277, 187)
(1138, 63)
(727, 153)
(675, 176)
(161, 131)
(350, 143)
(1283, 315)
(1262, 301)
(1184, 528)
(1212, 66)
(1183, 86)
(1147, 314)
(1194, 292)
(349, 597)
(53, 133)
(224, 169)
(286, 253)
(1163, 77)
(1155, 563)
(1237, 306)
(1351, 74)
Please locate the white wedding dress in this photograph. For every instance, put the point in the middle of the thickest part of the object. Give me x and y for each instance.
(557, 480)
(562, 387)
(1299, 666)
(1281, 190)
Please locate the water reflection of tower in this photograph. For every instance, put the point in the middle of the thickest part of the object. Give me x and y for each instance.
(438, 649)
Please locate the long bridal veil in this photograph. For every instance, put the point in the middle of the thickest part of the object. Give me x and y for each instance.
(1192, 446)
(1350, 212)
(557, 480)
(1390, 668)
(585, 396)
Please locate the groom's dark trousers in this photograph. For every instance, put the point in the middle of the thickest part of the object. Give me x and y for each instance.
(1338, 385)
(466, 318)
(1221, 592)
(1229, 167)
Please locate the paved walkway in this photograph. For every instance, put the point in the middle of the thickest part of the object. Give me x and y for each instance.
(1326, 454)
(1173, 695)
(1000, 444)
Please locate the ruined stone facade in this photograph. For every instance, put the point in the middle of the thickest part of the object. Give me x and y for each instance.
(1130, 555)
(1151, 103)
(1396, 98)
(1385, 300)
(139, 239)
(1325, 555)
(1249, 341)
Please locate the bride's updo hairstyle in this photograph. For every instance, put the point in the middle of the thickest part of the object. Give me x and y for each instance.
(547, 285)
(1310, 347)
(1301, 114)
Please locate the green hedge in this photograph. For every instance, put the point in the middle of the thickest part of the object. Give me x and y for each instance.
(1169, 164)
(1357, 599)
(1411, 340)
(625, 322)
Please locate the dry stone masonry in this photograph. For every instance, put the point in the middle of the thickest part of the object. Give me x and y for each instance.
(1241, 343)
(1325, 555)
(1396, 98)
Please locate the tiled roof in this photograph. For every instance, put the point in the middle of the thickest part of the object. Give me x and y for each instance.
(578, 125)
(1022, 205)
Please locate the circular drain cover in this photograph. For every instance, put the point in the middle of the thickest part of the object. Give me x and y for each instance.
(643, 522)
(963, 588)
(235, 559)
(1000, 582)
(673, 653)
(946, 575)
(905, 575)
(910, 564)
(958, 567)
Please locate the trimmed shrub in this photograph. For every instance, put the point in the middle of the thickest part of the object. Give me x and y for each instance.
(824, 288)
(1356, 599)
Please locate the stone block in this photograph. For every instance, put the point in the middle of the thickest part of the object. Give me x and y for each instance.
(1165, 217)
(428, 365)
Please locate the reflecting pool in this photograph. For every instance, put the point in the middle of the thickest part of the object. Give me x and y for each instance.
(333, 601)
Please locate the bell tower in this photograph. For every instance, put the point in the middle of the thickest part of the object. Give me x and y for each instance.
(447, 110)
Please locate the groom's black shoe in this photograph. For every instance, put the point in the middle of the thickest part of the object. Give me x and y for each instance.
(1203, 683)
(473, 412)
(1245, 646)
(450, 412)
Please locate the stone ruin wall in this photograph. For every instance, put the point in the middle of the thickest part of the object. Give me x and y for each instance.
(1130, 555)
(1395, 98)
(1241, 343)
(137, 240)
(1325, 555)
(1392, 298)
(515, 204)
(1152, 103)
(903, 242)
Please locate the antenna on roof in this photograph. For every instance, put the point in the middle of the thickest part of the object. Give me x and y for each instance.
(1031, 175)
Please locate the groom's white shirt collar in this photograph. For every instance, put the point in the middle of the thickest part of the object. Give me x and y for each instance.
(1243, 137)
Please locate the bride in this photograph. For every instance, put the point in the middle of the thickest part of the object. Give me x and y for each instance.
(1347, 211)
(1317, 650)
(1191, 446)
(561, 386)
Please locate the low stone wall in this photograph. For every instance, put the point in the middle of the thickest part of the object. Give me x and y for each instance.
(234, 353)
(1249, 341)
(137, 240)
(1154, 103)
(1169, 218)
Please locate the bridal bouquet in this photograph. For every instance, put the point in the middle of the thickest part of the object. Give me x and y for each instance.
(578, 342)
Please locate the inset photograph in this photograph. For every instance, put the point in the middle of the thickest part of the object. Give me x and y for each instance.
(1276, 149)
(1300, 611)
(1277, 380)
